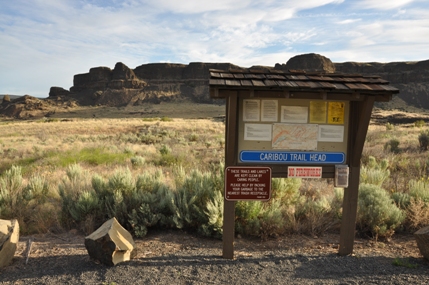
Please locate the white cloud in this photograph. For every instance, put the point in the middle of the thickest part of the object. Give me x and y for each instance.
(381, 4)
(49, 41)
(348, 21)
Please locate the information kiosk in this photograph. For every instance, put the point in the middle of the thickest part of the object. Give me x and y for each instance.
(294, 124)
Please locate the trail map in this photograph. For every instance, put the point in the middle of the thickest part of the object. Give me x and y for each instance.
(295, 136)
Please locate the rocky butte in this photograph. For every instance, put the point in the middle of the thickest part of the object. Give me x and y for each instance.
(157, 82)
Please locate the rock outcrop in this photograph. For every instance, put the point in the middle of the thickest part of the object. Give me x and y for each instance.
(308, 62)
(411, 78)
(157, 82)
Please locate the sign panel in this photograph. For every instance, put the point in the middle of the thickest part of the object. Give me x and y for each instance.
(247, 183)
(304, 172)
(292, 157)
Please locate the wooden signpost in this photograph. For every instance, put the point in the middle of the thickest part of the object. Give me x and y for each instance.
(294, 125)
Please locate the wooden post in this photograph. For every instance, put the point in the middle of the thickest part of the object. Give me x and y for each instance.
(360, 115)
(230, 158)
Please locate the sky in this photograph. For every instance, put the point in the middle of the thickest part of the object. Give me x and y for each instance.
(44, 43)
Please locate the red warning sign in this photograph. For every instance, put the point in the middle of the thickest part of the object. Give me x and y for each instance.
(247, 183)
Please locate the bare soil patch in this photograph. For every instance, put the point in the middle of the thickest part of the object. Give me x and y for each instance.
(177, 256)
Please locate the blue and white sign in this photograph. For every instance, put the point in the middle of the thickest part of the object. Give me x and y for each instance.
(258, 156)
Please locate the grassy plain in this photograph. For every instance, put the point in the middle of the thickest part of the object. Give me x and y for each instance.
(150, 138)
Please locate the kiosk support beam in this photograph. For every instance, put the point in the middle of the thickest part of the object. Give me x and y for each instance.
(360, 116)
(230, 159)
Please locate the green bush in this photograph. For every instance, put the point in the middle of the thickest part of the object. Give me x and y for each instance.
(265, 219)
(196, 203)
(166, 119)
(377, 214)
(138, 161)
(317, 212)
(392, 146)
(419, 189)
(389, 126)
(374, 172)
(13, 200)
(424, 140)
(419, 123)
(23, 202)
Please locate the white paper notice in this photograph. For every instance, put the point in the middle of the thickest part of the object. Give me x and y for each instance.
(331, 133)
(269, 112)
(251, 110)
(294, 114)
(257, 132)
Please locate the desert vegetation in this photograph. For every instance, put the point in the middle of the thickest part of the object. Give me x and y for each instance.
(163, 172)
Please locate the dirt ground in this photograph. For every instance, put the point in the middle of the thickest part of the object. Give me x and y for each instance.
(161, 243)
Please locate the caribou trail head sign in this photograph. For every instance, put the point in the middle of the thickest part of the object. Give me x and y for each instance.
(295, 124)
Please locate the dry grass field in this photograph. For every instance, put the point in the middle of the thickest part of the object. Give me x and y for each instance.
(177, 138)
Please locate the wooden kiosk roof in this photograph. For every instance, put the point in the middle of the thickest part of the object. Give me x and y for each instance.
(298, 81)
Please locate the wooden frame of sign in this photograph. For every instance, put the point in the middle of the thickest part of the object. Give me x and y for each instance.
(267, 86)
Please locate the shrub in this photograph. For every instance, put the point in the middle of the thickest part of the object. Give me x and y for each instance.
(373, 172)
(392, 146)
(138, 161)
(419, 123)
(318, 212)
(417, 214)
(424, 140)
(165, 149)
(377, 215)
(265, 219)
(389, 126)
(26, 203)
(419, 189)
(13, 200)
(166, 119)
(196, 204)
(193, 137)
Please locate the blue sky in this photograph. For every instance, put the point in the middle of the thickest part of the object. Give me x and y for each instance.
(44, 43)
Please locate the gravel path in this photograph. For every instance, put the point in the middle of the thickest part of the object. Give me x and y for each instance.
(184, 259)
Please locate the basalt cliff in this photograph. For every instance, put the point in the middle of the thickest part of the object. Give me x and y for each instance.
(157, 82)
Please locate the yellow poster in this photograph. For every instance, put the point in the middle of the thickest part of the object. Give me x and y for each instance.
(317, 112)
(336, 113)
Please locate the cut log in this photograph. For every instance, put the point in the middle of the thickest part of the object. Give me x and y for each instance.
(9, 237)
(422, 239)
(110, 244)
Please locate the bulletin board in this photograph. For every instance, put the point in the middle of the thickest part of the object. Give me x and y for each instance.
(292, 131)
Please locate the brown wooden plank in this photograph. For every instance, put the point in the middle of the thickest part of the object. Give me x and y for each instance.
(231, 142)
(363, 86)
(340, 86)
(375, 87)
(290, 84)
(314, 84)
(217, 82)
(232, 82)
(246, 82)
(327, 85)
(238, 76)
(275, 76)
(250, 76)
(352, 86)
(303, 84)
(227, 75)
(215, 74)
(258, 83)
(270, 82)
